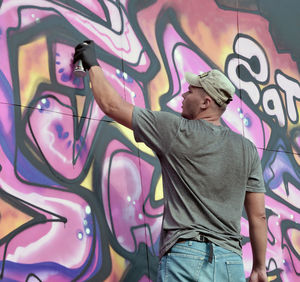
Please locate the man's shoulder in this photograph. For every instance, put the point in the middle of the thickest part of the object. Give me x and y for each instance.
(240, 136)
(157, 114)
(248, 144)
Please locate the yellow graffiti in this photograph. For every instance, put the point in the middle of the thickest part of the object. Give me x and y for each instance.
(10, 218)
(118, 264)
(159, 194)
(33, 68)
(88, 181)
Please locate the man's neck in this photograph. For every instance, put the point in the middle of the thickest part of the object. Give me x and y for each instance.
(214, 119)
(216, 122)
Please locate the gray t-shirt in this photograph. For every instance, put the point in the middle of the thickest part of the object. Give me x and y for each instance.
(206, 172)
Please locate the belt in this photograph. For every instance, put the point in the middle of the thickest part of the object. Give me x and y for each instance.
(201, 238)
(198, 238)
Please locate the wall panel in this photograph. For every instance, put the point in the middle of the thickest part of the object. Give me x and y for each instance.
(79, 198)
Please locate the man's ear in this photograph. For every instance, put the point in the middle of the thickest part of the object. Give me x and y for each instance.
(207, 102)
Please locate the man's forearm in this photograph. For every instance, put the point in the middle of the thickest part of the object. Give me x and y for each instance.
(108, 99)
(258, 238)
(105, 95)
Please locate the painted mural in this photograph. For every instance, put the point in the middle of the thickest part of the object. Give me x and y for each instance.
(80, 200)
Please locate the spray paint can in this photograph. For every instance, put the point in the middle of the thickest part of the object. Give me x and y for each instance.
(79, 69)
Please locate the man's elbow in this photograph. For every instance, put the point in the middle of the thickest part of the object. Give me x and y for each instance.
(112, 111)
(257, 219)
(260, 214)
(108, 108)
(263, 216)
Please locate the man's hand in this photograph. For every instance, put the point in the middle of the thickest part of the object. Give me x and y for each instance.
(258, 276)
(86, 53)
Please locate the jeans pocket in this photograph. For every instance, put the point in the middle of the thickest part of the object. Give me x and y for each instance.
(183, 267)
(235, 271)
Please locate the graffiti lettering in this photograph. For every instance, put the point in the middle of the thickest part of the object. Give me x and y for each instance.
(248, 68)
(273, 105)
(291, 89)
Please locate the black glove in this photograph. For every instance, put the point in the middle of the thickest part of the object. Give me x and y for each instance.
(86, 53)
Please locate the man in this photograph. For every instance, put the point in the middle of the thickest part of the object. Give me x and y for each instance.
(209, 174)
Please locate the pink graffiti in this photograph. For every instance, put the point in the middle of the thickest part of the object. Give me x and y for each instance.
(126, 183)
(67, 244)
(52, 130)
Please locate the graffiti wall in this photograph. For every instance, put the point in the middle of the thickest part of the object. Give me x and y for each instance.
(79, 198)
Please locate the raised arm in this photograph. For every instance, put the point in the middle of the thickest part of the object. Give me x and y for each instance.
(255, 209)
(110, 102)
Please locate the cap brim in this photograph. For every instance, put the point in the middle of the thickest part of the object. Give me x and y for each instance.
(192, 79)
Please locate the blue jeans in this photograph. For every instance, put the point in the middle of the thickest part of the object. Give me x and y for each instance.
(188, 261)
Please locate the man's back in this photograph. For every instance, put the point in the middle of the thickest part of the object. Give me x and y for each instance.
(207, 170)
